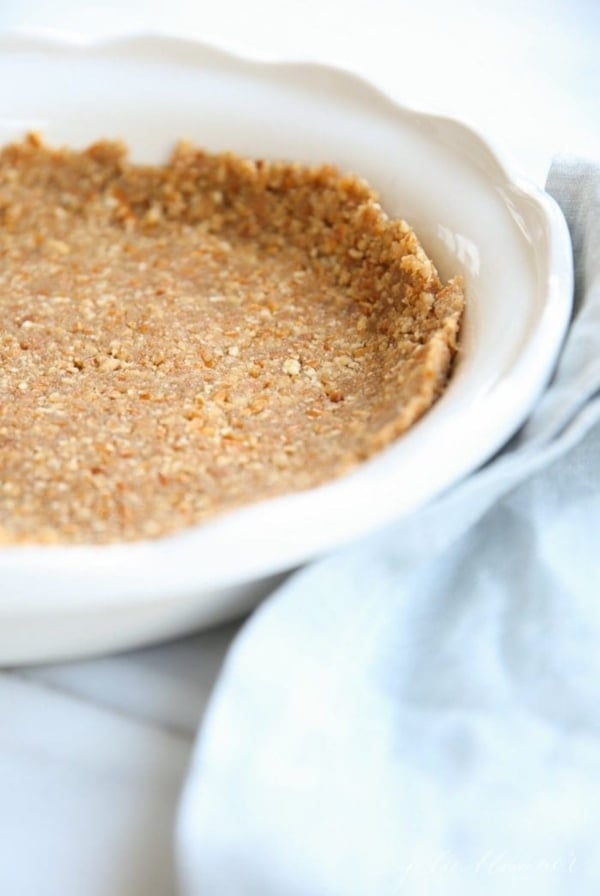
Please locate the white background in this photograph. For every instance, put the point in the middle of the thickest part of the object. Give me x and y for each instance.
(92, 754)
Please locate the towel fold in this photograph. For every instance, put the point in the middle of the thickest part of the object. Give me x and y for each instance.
(420, 712)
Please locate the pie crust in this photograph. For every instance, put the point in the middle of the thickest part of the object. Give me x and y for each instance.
(178, 341)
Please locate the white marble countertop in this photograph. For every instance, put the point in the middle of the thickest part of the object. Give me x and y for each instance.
(92, 754)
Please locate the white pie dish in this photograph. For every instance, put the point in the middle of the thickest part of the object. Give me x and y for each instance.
(473, 215)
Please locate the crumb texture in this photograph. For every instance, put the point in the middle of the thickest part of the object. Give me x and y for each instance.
(177, 341)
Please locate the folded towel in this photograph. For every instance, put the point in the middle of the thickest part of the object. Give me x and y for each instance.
(420, 712)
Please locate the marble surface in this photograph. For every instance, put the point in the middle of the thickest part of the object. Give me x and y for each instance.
(93, 754)
(92, 759)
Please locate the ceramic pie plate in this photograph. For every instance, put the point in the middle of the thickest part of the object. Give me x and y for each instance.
(474, 216)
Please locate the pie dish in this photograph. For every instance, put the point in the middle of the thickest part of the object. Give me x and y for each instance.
(474, 216)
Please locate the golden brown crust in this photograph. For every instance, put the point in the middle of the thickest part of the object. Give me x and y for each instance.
(177, 341)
